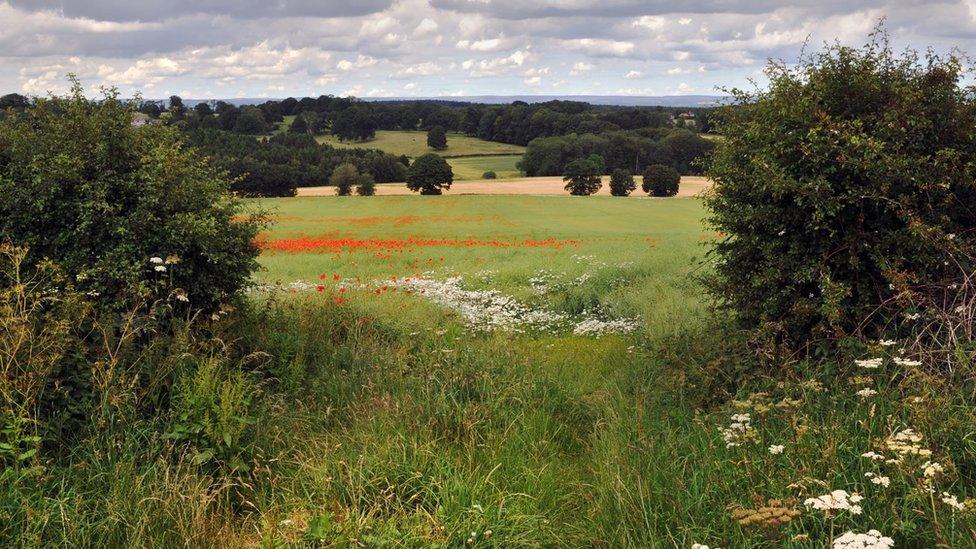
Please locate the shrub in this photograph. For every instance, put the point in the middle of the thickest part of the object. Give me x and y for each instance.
(843, 191)
(344, 177)
(582, 176)
(366, 187)
(621, 183)
(489, 175)
(121, 209)
(429, 174)
(661, 180)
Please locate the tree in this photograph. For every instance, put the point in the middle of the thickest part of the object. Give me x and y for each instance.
(661, 180)
(429, 174)
(344, 177)
(251, 121)
(354, 123)
(621, 183)
(176, 107)
(100, 198)
(298, 125)
(582, 176)
(845, 190)
(489, 175)
(367, 186)
(437, 138)
(203, 109)
(13, 101)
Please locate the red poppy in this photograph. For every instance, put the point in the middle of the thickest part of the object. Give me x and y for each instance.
(320, 288)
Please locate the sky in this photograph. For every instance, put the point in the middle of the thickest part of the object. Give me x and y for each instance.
(381, 48)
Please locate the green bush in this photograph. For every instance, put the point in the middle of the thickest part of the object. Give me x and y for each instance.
(489, 175)
(344, 177)
(844, 192)
(660, 180)
(367, 186)
(128, 213)
(621, 183)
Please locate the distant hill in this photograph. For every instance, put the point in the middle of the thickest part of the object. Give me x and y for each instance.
(616, 100)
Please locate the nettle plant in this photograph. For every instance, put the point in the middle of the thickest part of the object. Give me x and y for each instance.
(845, 193)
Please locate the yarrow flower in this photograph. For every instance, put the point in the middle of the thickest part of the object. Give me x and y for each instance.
(156, 260)
(870, 540)
(880, 480)
(907, 363)
(932, 469)
(160, 268)
(866, 392)
(907, 442)
(873, 455)
(953, 502)
(701, 546)
(887, 342)
(836, 500)
(776, 449)
(870, 363)
(739, 431)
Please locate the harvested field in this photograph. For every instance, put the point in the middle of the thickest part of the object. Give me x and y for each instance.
(540, 186)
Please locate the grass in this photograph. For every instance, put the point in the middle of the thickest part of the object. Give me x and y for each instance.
(473, 167)
(414, 144)
(382, 420)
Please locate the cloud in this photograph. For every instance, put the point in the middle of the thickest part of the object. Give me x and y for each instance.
(600, 47)
(361, 62)
(580, 67)
(633, 75)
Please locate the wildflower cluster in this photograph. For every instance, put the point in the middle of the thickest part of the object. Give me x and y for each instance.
(739, 432)
(837, 500)
(771, 515)
(870, 540)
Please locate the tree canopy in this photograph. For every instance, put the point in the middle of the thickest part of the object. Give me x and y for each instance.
(429, 174)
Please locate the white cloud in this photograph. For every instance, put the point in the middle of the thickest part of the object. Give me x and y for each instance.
(580, 67)
(600, 46)
(426, 27)
(633, 75)
(361, 62)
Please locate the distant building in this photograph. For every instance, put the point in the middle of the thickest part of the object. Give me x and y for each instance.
(141, 119)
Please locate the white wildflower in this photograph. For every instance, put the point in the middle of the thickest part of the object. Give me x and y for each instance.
(834, 501)
(913, 316)
(870, 540)
(907, 442)
(932, 469)
(156, 260)
(906, 362)
(776, 449)
(873, 455)
(880, 480)
(160, 268)
(866, 392)
(870, 363)
(952, 501)
(887, 342)
(739, 431)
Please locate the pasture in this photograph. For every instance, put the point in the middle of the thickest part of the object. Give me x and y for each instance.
(414, 143)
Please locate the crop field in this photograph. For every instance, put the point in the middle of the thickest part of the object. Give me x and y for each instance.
(691, 186)
(631, 258)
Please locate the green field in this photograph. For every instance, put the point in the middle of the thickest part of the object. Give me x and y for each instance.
(473, 167)
(414, 144)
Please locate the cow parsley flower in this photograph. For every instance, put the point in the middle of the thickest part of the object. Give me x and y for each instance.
(870, 363)
(156, 260)
(906, 362)
(870, 540)
(838, 500)
(880, 480)
(160, 268)
(953, 502)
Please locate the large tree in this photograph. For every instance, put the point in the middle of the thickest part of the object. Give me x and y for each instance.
(344, 177)
(660, 180)
(582, 176)
(355, 123)
(437, 138)
(621, 183)
(429, 174)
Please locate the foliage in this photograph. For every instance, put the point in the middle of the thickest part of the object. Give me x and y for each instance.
(582, 176)
(659, 180)
(101, 198)
(366, 186)
(437, 138)
(627, 150)
(844, 193)
(344, 177)
(489, 175)
(251, 121)
(356, 123)
(621, 183)
(429, 174)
